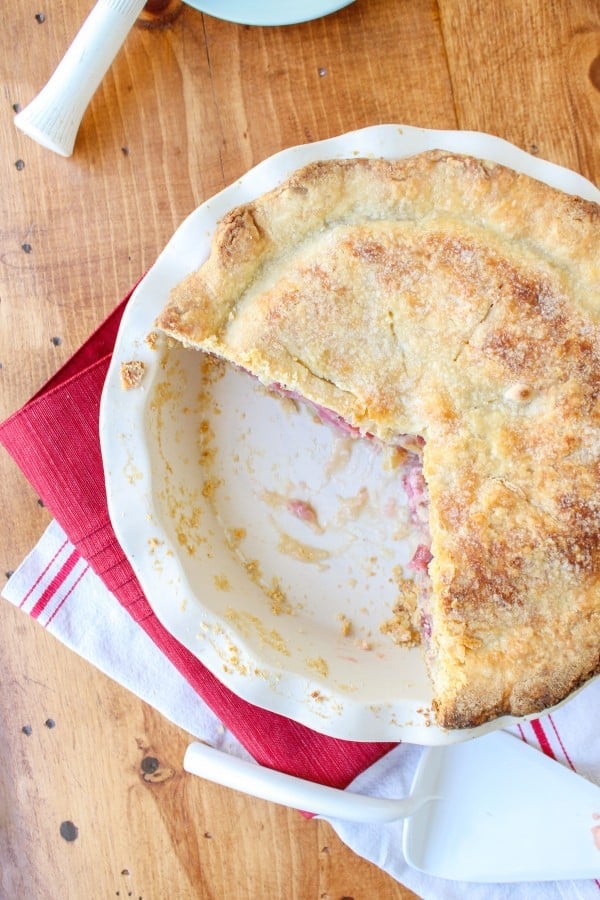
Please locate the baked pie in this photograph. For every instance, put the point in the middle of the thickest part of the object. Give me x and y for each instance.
(450, 306)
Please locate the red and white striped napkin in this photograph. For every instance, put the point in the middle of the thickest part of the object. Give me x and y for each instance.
(78, 584)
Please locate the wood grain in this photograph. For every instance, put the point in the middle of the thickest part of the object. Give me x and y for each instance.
(184, 110)
(533, 83)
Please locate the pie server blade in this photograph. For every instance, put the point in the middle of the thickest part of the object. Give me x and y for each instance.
(507, 813)
(491, 809)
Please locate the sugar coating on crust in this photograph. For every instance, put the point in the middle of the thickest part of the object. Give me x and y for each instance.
(452, 298)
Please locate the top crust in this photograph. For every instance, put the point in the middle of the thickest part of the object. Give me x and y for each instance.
(453, 298)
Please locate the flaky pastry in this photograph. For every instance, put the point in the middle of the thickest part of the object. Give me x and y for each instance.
(454, 299)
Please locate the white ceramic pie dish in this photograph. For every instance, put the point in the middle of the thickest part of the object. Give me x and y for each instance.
(203, 469)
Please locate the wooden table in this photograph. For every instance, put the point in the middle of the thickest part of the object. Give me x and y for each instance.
(186, 108)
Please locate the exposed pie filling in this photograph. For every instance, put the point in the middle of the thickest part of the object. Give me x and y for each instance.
(412, 620)
(448, 306)
(415, 487)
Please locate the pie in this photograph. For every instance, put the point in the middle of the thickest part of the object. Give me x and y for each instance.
(450, 306)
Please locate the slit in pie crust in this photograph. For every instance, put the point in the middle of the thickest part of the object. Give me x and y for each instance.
(456, 300)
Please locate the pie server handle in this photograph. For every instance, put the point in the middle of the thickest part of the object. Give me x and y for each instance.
(289, 790)
(54, 115)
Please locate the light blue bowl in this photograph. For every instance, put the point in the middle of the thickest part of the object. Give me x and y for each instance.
(268, 12)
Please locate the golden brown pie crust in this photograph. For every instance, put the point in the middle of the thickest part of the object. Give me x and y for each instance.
(453, 298)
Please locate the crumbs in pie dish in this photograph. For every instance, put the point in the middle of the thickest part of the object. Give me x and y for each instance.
(132, 374)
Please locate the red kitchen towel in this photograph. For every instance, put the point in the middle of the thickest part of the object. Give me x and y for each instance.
(55, 440)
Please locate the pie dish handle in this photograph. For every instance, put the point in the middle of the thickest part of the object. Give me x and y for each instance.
(53, 117)
(289, 790)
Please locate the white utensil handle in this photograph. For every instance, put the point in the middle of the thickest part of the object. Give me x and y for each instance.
(53, 117)
(288, 790)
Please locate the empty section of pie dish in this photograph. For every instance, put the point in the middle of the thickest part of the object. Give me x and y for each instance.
(277, 548)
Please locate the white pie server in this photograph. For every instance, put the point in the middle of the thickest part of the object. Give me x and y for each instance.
(491, 809)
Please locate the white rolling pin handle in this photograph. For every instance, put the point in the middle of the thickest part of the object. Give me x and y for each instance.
(53, 117)
(288, 790)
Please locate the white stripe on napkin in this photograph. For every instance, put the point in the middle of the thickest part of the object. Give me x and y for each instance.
(55, 586)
